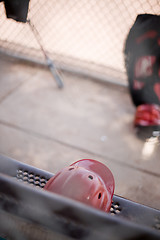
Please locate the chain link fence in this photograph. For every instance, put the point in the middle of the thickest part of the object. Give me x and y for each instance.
(84, 34)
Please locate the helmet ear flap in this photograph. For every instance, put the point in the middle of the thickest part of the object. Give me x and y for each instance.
(87, 181)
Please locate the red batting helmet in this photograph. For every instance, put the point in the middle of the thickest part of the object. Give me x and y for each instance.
(87, 181)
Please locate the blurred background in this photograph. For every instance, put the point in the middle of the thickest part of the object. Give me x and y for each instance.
(50, 128)
(83, 34)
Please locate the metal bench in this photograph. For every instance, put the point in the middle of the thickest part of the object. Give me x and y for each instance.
(29, 212)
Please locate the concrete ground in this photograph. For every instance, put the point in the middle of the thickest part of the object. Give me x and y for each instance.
(50, 128)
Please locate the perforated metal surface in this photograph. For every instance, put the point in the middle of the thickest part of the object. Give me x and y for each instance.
(31, 178)
(115, 208)
(40, 181)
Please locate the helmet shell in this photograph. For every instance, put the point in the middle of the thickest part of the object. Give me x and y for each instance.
(87, 181)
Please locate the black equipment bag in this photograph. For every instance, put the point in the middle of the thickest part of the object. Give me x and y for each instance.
(17, 9)
(142, 59)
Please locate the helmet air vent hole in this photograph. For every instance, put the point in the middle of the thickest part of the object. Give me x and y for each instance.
(99, 195)
(71, 169)
(90, 177)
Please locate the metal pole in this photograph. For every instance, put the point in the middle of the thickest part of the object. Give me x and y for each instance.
(49, 62)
